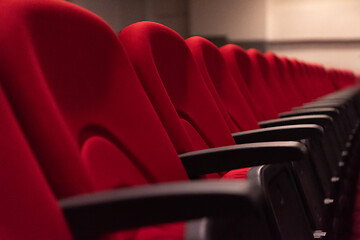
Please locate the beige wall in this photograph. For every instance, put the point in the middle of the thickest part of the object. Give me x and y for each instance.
(324, 31)
(312, 19)
(236, 19)
(329, 54)
(276, 19)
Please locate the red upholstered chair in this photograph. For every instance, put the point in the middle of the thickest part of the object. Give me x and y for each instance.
(341, 78)
(172, 88)
(213, 68)
(176, 88)
(221, 83)
(257, 85)
(271, 75)
(70, 88)
(309, 87)
(90, 127)
(73, 101)
(301, 80)
(166, 67)
(240, 64)
(219, 78)
(28, 207)
(306, 79)
(288, 80)
(292, 85)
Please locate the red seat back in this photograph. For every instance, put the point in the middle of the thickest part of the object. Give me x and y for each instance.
(276, 78)
(78, 100)
(175, 86)
(28, 208)
(289, 82)
(221, 83)
(271, 76)
(80, 104)
(240, 62)
(300, 80)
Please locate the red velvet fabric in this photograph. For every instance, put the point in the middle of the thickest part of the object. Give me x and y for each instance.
(175, 86)
(269, 70)
(76, 83)
(291, 76)
(80, 104)
(276, 81)
(244, 70)
(288, 82)
(306, 80)
(341, 78)
(168, 72)
(227, 52)
(221, 83)
(28, 208)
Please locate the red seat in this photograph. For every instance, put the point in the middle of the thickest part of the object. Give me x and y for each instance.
(221, 83)
(88, 122)
(166, 67)
(341, 79)
(291, 82)
(306, 80)
(276, 79)
(176, 88)
(79, 102)
(241, 64)
(28, 207)
(271, 77)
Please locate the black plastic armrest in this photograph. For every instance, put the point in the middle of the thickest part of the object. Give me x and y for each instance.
(240, 156)
(339, 106)
(332, 112)
(282, 133)
(319, 119)
(347, 94)
(91, 215)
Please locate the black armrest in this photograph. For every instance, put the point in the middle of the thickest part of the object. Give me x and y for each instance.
(339, 106)
(319, 119)
(240, 156)
(348, 94)
(282, 133)
(331, 100)
(332, 112)
(94, 214)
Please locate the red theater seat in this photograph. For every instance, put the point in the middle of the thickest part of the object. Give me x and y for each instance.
(86, 119)
(339, 106)
(243, 70)
(163, 62)
(213, 67)
(28, 207)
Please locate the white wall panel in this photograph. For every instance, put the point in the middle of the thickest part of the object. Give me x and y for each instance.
(312, 19)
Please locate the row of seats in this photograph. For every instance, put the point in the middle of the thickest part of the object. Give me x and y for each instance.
(127, 137)
(171, 62)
